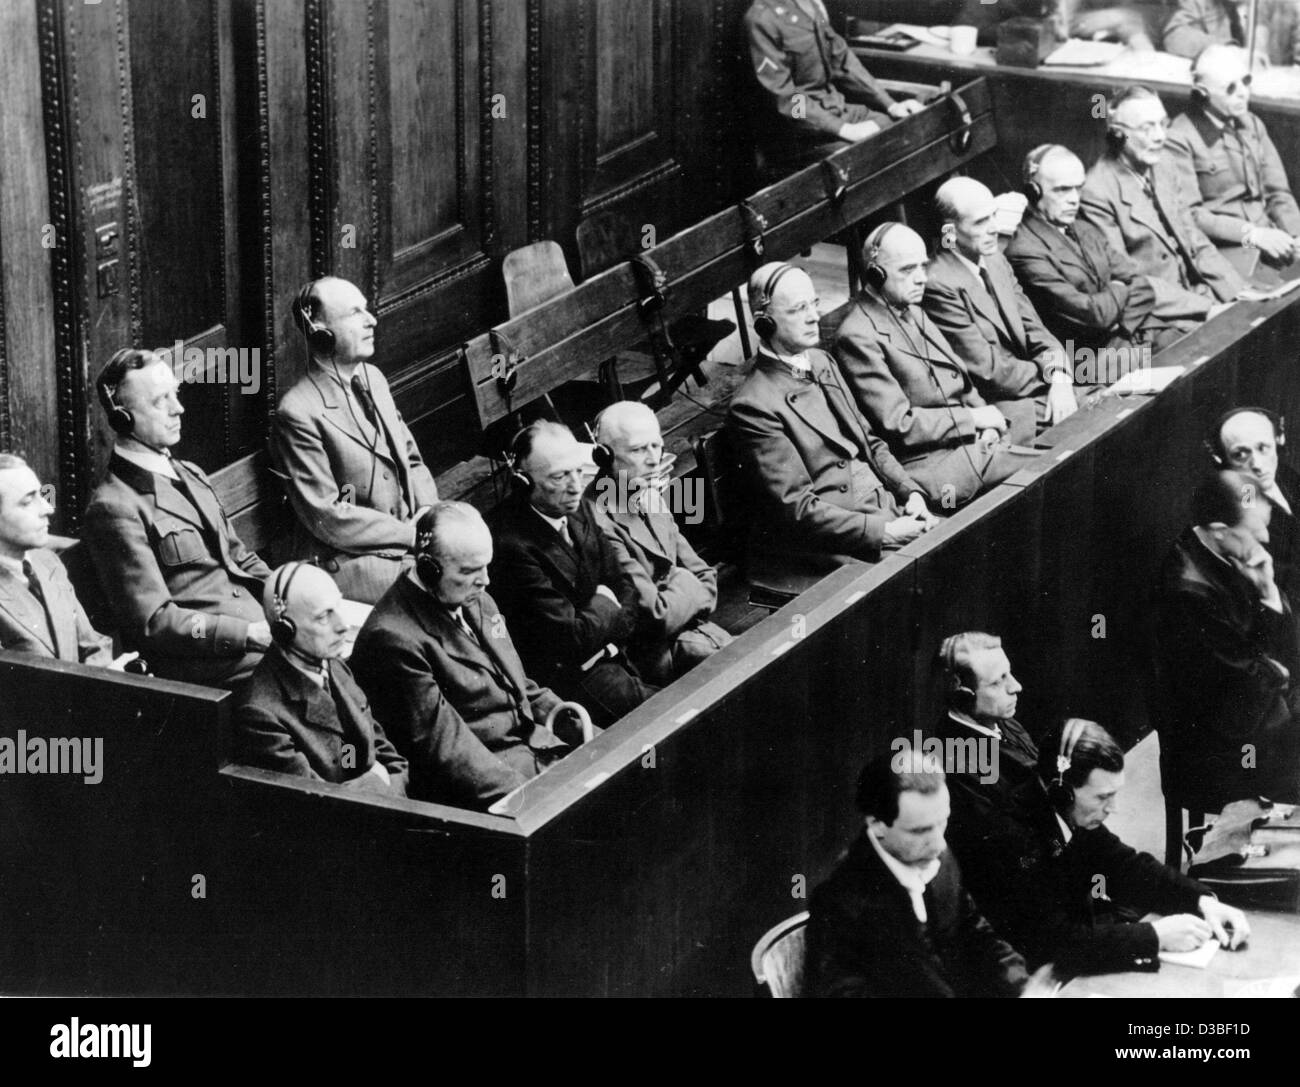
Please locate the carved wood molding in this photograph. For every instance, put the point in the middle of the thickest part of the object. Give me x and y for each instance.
(264, 218)
(533, 66)
(320, 149)
(487, 158)
(55, 76)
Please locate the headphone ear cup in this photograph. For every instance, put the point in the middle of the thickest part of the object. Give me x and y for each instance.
(1061, 796)
(1033, 191)
(429, 569)
(963, 697)
(764, 326)
(874, 276)
(1198, 94)
(321, 339)
(1214, 453)
(521, 481)
(603, 457)
(283, 630)
(121, 420)
(1116, 138)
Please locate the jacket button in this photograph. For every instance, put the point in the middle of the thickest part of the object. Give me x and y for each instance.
(387, 476)
(234, 592)
(392, 512)
(841, 464)
(844, 486)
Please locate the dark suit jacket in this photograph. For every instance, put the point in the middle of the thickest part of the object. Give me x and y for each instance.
(285, 722)
(1114, 202)
(864, 938)
(25, 627)
(1046, 896)
(1284, 534)
(183, 586)
(918, 394)
(547, 591)
(1218, 652)
(1007, 351)
(1236, 190)
(348, 501)
(1093, 294)
(798, 440)
(464, 713)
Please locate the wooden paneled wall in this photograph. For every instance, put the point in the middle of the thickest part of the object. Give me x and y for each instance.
(174, 169)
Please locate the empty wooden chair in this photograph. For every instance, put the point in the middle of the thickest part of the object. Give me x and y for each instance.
(535, 274)
(778, 958)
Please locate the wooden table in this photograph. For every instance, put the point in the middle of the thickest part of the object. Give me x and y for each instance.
(1273, 951)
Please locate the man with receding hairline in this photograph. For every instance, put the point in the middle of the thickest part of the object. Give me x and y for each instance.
(39, 610)
(437, 656)
(1089, 293)
(1228, 655)
(677, 589)
(825, 488)
(916, 391)
(184, 587)
(572, 607)
(1227, 159)
(1133, 195)
(972, 295)
(351, 468)
(302, 712)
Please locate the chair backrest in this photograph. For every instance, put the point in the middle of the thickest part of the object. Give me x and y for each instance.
(723, 483)
(606, 239)
(778, 958)
(535, 274)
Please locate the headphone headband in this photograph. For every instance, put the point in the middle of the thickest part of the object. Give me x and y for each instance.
(1070, 735)
(280, 593)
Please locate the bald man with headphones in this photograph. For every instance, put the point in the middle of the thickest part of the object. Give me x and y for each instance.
(1089, 293)
(1054, 879)
(352, 471)
(302, 712)
(824, 488)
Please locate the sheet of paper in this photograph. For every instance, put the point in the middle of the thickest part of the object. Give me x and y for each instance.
(1146, 381)
(1080, 53)
(1200, 958)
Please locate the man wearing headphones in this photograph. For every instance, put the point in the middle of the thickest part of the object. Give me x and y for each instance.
(1133, 195)
(1227, 655)
(302, 712)
(573, 608)
(353, 472)
(915, 389)
(893, 919)
(1225, 156)
(184, 587)
(1247, 439)
(973, 296)
(826, 489)
(678, 590)
(1088, 292)
(1055, 879)
(437, 658)
(823, 96)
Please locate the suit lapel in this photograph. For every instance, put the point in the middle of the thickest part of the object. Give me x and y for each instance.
(61, 635)
(317, 708)
(1130, 192)
(811, 409)
(347, 420)
(1005, 297)
(27, 611)
(510, 670)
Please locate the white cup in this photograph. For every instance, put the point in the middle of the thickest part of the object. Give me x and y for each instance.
(962, 42)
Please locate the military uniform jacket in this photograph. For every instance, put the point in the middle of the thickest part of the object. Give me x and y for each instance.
(1237, 174)
(806, 67)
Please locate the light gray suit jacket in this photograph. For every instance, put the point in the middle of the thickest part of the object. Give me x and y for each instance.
(23, 624)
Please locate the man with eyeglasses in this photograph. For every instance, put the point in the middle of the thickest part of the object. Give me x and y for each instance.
(1225, 156)
(824, 485)
(1132, 195)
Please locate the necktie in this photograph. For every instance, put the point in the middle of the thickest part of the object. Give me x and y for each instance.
(325, 678)
(464, 625)
(34, 587)
(564, 531)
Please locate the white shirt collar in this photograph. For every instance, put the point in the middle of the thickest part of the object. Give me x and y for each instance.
(1066, 832)
(970, 722)
(150, 461)
(14, 566)
(912, 880)
(1275, 495)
